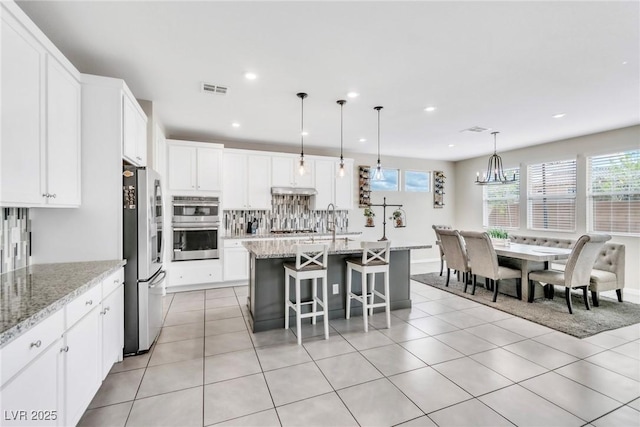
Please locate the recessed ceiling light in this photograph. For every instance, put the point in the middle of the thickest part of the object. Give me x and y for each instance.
(451, 145)
(235, 124)
(250, 76)
(430, 109)
(559, 115)
(353, 94)
(305, 133)
(624, 62)
(363, 139)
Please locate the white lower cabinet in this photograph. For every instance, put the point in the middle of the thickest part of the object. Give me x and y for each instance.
(31, 398)
(112, 319)
(81, 365)
(236, 263)
(186, 273)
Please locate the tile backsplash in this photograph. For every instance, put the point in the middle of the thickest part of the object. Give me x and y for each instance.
(15, 228)
(288, 213)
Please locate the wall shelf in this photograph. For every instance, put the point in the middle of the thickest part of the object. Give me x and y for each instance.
(438, 189)
(364, 186)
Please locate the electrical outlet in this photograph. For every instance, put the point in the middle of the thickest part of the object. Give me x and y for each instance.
(336, 289)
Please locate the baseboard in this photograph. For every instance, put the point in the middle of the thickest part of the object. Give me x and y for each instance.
(628, 295)
(425, 260)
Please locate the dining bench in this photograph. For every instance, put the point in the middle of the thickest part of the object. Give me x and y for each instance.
(608, 270)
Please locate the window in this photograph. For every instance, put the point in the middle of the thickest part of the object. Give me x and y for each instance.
(552, 196)
(614, 193)
(501, 203)
(389, 182)
(417, 181)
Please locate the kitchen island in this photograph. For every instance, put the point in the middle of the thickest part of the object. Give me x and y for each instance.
(266, 278)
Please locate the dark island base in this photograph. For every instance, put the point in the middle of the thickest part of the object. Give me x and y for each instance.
(266, 288)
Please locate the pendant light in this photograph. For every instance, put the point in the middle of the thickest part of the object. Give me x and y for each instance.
(301, 168)
(495, 172)
(378, 173)
(341, 171)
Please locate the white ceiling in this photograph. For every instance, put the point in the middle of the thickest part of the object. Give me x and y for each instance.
(508, 66)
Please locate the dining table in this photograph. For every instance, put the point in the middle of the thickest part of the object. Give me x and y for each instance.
(528, 258)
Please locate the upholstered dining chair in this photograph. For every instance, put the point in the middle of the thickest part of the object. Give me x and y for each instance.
(577, 271)
(455, 254)
(484, 262)
(438, 240)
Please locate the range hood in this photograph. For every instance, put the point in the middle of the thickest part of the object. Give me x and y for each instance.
(300, 191)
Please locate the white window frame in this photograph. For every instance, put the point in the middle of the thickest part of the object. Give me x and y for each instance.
(509, 199)
(630, 188)
(551, 197)
(427, 189)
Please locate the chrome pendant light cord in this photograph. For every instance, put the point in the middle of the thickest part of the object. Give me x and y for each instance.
(302, 96)
(378, 174)
(341, 102)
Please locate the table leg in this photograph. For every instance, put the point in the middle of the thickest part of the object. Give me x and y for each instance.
(524, 282)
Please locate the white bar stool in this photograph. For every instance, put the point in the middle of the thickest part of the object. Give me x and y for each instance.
(375, 259)
(311, 263)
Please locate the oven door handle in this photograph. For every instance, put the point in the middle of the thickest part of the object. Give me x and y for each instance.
(187, 204)
(200, 228)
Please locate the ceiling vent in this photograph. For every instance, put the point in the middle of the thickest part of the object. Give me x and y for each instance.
(215, 89)
(476, 129)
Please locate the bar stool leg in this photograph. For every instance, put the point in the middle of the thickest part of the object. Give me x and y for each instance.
(386, 299)
(372, 286)
(286, 300)
(315, 300)
(348, 296)
(364, 302)
(325, 307)
(298, 313)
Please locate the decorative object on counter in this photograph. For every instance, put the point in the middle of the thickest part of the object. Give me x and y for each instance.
(499, 236)
(438, 189)
(364, 187)
(378, 174)
(302, 96)
(369, 214)
(495, 172)
(399, 218)
(384, 215)
(341, 171)
(15, 242)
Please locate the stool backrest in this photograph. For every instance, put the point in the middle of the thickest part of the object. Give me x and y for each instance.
(375, 252)
(311, 256)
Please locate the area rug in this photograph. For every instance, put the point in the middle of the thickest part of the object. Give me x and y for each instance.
(551, 313)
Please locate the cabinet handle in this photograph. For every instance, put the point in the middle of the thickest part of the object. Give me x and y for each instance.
(53, 195)
(90, 302)
(36, 344)
(45, 195)
(64, 349)
(116, 281)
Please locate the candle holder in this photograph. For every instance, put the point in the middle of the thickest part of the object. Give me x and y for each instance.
(384, 206)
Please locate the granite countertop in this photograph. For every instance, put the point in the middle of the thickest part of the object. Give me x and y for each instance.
(288, 235)
(31, 294)
(342, 246)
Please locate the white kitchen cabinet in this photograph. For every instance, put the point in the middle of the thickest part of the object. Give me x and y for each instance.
(31, 398)
(285, 172)
(112, 313)
(247, 181)
(236, 261)
(134, 131)
(40, 136)
(194, 166)
(81, 353)
(343, 197)
(325, 183)
(187, 273)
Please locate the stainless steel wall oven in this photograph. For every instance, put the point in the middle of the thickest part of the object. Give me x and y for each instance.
(195, 225)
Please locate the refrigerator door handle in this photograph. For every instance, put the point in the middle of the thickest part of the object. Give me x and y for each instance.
(158, 279)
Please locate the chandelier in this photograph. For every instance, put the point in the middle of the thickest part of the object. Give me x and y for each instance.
(495, 172)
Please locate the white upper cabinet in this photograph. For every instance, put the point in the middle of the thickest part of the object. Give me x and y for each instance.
(134, 131)
(344, 186)
(331, 187)
(247, 181)
(285, 172)
(194, 166)
(40, 136)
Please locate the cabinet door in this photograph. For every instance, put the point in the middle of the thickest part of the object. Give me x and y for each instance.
(22, 135)
(34, 389)
(308, 180)
(235, 181)
(129, 130)
(63, 136)
(344, 188)
(325, 179)
(259, 182)
(209, 164)
(182, 168)
(141, 139)
(112, 314)
(236, 264)
(282, 171)
(81, 365)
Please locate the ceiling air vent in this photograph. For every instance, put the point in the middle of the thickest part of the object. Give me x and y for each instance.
(476, 129)
(216, 89)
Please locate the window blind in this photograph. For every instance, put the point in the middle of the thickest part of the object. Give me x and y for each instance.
(614, 193)
(551, 194)
(501, 203)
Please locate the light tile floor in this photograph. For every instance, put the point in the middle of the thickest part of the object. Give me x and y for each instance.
(448, 362)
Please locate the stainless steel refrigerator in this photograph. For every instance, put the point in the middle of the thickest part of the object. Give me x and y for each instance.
(143, 247)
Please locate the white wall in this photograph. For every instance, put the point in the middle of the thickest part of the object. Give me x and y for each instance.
(468, 196)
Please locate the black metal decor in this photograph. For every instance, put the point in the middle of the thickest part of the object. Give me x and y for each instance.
(384, 216)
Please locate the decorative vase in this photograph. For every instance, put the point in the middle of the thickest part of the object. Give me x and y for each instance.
(370, 221)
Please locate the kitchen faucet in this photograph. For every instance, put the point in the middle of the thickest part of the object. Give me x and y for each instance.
(332, 207)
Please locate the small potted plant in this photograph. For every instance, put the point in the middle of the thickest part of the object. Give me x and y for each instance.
(499, 236)
(398, 217)
(369, 214)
